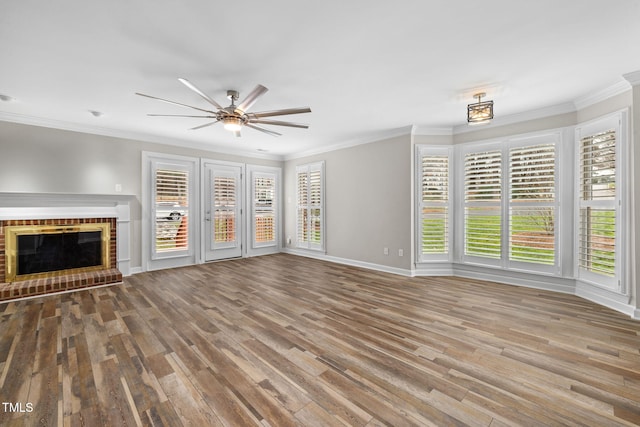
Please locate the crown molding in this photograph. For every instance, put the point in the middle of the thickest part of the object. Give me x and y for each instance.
(125, 134)
(633, 78)
(429, 131)
(375, 137)
(603, 94)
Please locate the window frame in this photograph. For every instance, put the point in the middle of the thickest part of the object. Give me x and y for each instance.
(151, 258)
(562, 187)
(435, 151)
(261, 248)
(619, 123)
(308, 169)
(471, 148)
(533, 141)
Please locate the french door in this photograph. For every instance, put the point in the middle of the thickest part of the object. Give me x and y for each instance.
(222, 219)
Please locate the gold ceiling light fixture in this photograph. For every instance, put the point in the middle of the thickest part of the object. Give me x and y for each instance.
(480, 112)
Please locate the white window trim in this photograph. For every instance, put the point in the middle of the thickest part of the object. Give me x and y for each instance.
(150, 259)
(309, 167)
(620, 122)
(421, 151)
(562, 266)
(554, 138)
(459, 172)
(254, 248)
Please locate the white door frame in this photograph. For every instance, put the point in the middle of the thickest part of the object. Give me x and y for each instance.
(207, 218)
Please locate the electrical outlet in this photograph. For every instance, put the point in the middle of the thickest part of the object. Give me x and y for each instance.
(386, 251)
(400, 252)
(118, 188)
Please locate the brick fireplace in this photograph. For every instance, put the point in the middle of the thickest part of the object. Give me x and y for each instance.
(64, 212)
(57, 281)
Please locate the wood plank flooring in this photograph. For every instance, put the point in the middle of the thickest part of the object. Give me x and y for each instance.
(282, 340)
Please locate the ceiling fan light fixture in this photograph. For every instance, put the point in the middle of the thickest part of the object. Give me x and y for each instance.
(234, 117)
(480, 112)
(232, 124)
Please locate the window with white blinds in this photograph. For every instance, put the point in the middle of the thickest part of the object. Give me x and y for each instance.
(532, 211)
(224, 209)
(435, 203)
(264, 209)
(597, 196)
(171, 209)
(310, 206)
(482, 204)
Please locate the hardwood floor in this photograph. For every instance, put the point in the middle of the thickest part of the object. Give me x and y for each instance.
(282, 340)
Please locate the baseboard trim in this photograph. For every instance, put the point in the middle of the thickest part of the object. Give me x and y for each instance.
(135, 270)
(606, 298)
(547, 283)
(351, 262)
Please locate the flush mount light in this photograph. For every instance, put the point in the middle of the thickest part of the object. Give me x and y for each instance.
(96, 113)
(480, 112)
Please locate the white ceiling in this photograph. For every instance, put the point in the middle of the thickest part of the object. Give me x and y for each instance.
(365, 68)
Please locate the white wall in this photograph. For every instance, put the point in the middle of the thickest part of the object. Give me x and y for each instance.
(368, 202)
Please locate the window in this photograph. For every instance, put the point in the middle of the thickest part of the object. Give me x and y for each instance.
(264, 209)
(532, 212)
(263, 202)
(510, 203)
(482, 204)
(310, 206)
(225, 206)
(599, 202)
(435, 203)
(171, 209)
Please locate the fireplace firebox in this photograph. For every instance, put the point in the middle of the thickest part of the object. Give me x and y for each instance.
(34, 251)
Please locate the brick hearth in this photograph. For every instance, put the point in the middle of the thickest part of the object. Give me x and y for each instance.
(55, 282)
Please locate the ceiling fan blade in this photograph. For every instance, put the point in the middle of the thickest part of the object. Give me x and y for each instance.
(253, 96)
(283, 112)
(204, 125)
(279, 123)
(207, 98)
(175, 103)
(180, 115)
(267, 131)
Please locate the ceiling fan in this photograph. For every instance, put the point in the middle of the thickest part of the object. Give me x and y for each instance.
(234, 117)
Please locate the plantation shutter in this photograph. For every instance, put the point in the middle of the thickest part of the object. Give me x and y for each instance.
(225, 205)
(532, 204)
(482, 201)
(264, 209)
(171, 210)
(434, 203)
(597, 203)
(310, 206)
(303, 207)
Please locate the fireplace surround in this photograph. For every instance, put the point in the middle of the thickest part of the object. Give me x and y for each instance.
(17, 286)
(71, 214)
(34, 251)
